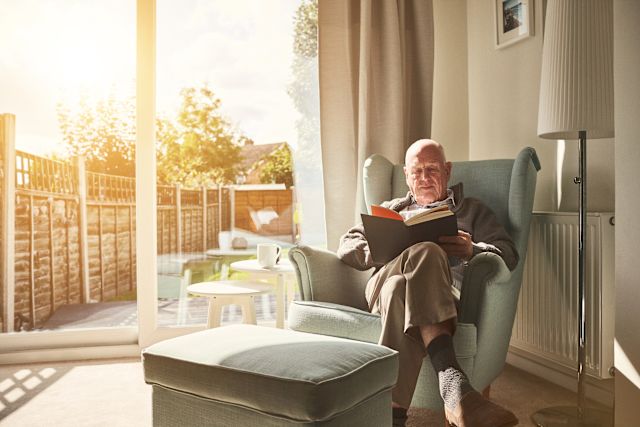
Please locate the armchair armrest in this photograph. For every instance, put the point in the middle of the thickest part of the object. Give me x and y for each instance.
(322, 276)
(484, 269)
(489, 300)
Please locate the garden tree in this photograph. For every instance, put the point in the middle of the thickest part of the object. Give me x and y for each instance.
(199, 147)
(305, 42)
(303, 90)
(278, 168)
(104, 133)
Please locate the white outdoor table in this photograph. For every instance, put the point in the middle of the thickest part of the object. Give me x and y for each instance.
(226, 292)
(224, 255)
(281, 270)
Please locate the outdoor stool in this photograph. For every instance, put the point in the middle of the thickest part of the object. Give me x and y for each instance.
(227, 292)
(243, 375)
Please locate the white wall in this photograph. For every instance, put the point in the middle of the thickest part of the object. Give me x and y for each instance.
(626, 15)
(503, 114)
(502, 93)
(450, 117)
(503, 101)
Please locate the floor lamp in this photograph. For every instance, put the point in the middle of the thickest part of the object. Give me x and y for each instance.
(576, 101)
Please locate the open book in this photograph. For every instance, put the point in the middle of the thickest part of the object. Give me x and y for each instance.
(388, 234)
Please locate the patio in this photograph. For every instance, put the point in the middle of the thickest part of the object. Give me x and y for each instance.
(124, 313)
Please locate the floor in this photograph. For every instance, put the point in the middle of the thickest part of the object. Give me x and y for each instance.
(113, 393)
(125, 313)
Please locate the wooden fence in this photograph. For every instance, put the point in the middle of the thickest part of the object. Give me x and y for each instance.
(73, 231)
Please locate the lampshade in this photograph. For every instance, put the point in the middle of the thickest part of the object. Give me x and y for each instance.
(576, 85)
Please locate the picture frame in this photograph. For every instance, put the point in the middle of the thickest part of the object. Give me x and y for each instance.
(513, 21)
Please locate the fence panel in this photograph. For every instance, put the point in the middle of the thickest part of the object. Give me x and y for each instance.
(110, 207)
(45, 175)
(167, 224)
(46, 243)
(48, 235)
(45, 237)
(214, 212)
(265, 212)
(192, 220)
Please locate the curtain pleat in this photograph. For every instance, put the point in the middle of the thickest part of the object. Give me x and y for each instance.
(376, 85)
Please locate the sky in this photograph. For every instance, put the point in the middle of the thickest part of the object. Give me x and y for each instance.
(54, 51)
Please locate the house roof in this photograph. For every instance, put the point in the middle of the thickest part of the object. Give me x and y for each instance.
(252, 154)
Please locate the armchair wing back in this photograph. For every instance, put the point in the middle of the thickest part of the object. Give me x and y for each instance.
(506, 185)
(332, 300)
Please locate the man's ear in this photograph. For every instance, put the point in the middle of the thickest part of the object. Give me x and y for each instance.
(448, 166)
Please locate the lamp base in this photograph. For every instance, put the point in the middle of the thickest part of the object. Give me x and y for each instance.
(567, 416)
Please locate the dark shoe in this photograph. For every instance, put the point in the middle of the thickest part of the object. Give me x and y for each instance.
(476, 411)
(399, 417)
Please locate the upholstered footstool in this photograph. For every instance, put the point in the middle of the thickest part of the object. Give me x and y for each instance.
(245, 375)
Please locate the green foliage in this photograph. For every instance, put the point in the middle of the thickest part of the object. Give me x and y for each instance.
(304, 92)
(278, 168)
(199, 147)
(305, 23)
(103, 133)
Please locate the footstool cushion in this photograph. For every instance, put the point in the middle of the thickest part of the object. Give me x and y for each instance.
(286, 375)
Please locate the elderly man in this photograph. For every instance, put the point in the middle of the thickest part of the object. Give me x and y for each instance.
(416, 293)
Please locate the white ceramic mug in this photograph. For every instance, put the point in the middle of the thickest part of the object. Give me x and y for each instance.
(224, 240)
(268, 254)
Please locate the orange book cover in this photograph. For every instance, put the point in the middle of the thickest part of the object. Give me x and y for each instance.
(385, 213)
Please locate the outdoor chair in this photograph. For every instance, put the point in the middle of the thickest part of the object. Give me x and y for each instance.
(332, 292)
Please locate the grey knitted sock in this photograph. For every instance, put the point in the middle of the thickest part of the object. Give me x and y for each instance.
(453, 386)
(453, 382)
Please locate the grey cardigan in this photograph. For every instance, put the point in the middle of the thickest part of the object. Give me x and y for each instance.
(474, 217)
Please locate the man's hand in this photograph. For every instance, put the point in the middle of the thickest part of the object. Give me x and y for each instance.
(457, 246)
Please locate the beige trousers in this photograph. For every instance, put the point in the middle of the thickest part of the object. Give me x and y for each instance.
(412, 290)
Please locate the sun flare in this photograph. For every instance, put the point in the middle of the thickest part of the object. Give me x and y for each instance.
(83, 49)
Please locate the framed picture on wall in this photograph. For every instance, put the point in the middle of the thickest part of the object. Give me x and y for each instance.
(514, 21)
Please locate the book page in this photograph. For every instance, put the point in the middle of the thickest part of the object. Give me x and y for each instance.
(428, 216)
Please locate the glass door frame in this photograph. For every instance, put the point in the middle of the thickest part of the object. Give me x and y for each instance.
(115, 342)
(146, 190)
(52, 345)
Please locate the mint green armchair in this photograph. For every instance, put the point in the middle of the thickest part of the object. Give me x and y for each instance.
(332, 293)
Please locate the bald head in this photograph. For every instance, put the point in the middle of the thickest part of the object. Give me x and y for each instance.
(427, 171)
(424, 145)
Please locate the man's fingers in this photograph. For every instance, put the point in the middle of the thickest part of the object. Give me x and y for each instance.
(464, 234)
(457, 246)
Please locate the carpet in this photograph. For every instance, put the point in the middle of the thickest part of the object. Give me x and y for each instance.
(113, 393)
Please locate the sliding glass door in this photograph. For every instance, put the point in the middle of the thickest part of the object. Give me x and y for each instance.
(67, 139)
(131, 170)
(236, 147)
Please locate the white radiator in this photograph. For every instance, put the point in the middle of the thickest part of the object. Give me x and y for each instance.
(546, 324)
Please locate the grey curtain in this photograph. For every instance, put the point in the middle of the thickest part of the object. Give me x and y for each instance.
(376, 84)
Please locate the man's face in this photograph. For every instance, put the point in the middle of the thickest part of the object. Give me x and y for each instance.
(427, 174)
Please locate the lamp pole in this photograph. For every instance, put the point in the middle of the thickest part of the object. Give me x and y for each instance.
(582, 228)
(576, 97)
